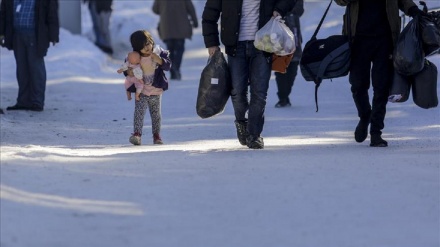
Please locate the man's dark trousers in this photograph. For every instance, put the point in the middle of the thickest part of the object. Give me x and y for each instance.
(371, 58)
(31, 70)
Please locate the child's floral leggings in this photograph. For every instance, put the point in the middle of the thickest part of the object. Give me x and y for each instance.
(153, 103)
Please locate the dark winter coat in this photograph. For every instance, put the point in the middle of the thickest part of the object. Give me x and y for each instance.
(392, 7)
(293, 22)
(229, 12)
(160, 80)
(47, 27)
(177, 18)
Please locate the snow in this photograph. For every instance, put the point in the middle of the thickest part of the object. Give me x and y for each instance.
(69, 176)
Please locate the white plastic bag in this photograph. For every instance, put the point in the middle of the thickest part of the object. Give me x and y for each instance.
(275, 37)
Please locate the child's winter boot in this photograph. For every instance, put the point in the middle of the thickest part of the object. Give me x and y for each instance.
(157, 139)
(135, 139)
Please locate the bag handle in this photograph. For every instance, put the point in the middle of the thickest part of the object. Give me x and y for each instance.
(347, 12)
(322, 20)
(318, 80)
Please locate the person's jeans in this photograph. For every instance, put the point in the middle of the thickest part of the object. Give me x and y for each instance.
(101, 22)
(249, 68)
(30, 69)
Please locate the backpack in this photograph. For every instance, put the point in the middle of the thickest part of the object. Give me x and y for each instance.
(326, 58)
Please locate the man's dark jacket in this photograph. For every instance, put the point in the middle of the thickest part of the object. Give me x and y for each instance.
(47, 28)
(230, 11)
(293, 22)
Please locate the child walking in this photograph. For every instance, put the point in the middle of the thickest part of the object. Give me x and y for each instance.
(153, 65)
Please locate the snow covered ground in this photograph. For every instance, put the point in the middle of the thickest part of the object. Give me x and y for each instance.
(70, 178)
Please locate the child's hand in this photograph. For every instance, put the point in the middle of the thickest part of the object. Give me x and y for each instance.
(130, 72)
(156, 58)
(119, 71)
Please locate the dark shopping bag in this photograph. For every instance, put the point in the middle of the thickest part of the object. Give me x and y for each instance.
(430, 34)
(430, 25)
(214, 87)
(326, 58)
(424, 88)
(400, 88)
(408, 54)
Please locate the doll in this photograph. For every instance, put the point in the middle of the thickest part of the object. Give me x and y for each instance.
(133, 83)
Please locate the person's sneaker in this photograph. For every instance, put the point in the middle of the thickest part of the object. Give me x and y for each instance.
(255, 142)
(241, 131)
(36, 108)
(17, 108)
(105, 49)
(361, 132)
(283, 103)
(135, 139)
(377, 141)
(157, 139)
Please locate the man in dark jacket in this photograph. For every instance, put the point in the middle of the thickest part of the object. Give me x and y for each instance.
(249, 67)
(27, 28)
(375, 27)
(285, 80)
(100, 12)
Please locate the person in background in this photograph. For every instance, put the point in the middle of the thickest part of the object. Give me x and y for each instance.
(285, 80)
(250, 68)
(154, 61)
(177, 19)
(28, 28)
(100, 12)
(375, 27)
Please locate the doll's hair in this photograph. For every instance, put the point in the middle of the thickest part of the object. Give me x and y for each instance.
(140, 39)
(134, 57)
